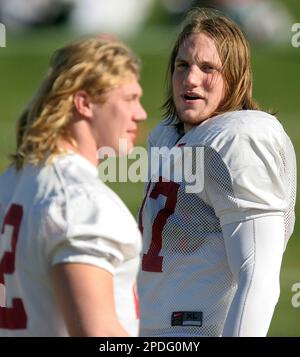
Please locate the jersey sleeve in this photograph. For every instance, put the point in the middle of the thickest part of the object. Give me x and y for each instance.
(254, 250)
(86, 226)
(245, 176)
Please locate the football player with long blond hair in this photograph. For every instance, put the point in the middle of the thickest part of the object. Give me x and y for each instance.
(69, 247)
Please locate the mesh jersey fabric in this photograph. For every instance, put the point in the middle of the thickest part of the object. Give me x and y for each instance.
(248, 171)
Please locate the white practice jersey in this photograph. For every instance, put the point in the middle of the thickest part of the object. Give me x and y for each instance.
(61, 213)
(248, 169)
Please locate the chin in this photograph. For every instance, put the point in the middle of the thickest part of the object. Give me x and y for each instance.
(192, 118)
(126, 148)
(130, 148)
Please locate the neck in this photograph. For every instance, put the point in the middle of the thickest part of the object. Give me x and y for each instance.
(187, 127)
(86, 144)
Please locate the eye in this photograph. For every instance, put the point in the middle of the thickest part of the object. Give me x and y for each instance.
(181, 65)
(131, 98)
(209, 68)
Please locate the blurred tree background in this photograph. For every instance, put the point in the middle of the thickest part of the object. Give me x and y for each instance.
(276, 67)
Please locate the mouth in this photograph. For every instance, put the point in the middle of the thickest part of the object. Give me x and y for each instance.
(191, 97)
(133, 133)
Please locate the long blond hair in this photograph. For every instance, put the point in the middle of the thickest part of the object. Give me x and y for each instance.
(94, 65)
(234, 53)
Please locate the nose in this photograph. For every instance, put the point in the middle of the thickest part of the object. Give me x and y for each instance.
(140, 114)
(193, 77)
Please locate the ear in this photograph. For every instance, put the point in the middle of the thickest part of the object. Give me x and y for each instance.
(83, 104)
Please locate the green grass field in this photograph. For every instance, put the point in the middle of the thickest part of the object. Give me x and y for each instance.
(276, 85)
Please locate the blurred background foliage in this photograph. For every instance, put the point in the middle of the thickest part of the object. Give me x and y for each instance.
(276, 69)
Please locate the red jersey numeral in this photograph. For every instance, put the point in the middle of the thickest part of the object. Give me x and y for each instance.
(14, 317)
(152, 261)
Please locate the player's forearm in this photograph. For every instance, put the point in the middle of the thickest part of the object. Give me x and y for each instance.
(92, 328)
(254, 250)
(85, 296)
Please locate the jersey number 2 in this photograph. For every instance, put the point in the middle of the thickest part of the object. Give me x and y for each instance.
(14, 317)
(152, 261)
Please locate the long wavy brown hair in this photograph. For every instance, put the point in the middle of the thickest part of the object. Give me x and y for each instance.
(234, 53)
